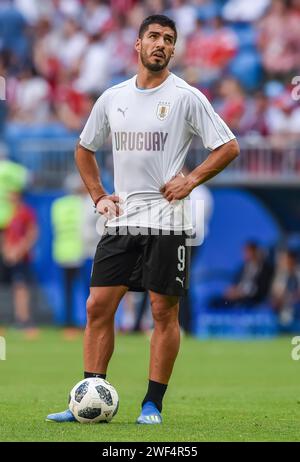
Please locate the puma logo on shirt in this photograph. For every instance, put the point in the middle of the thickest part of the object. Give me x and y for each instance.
(122, 111)
(180, 280)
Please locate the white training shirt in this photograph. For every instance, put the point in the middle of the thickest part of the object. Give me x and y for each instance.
(151, 132)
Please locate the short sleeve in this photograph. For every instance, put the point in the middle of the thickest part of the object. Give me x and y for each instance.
(97, 127)
(205, 123)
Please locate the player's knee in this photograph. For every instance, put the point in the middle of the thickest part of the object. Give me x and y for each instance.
(164, 315)
(164, 309)
(96, 310)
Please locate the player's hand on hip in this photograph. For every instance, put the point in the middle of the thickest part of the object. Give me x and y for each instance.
(109, 206)
(177, 188)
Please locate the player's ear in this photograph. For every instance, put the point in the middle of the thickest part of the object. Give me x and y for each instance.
(137, 45)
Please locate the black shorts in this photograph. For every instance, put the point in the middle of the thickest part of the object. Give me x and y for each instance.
(143, 262)
(18, 273)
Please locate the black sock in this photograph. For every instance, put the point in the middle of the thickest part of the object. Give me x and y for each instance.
(155, 394)
(87, 375)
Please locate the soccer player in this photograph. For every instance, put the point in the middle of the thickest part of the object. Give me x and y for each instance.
(152, 118)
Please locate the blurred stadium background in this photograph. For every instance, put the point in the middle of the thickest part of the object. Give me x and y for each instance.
(58, 56)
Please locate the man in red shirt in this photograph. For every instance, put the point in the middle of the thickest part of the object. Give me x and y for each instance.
(18, 240)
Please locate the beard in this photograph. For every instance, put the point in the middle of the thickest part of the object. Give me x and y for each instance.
(154, 67)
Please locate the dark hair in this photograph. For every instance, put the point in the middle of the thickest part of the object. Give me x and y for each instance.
(251, 244)
(292, 253)
(160, 19)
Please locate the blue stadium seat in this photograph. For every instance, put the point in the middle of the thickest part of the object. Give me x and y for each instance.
(238, 323)
(246, 67)
(247, 35)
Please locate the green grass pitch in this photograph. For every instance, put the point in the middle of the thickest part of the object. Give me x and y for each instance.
(220, 391)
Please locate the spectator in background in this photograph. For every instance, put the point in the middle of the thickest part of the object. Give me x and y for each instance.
(34, 10)
(185, 15)
(12, 30)
(31, 10)
(154, 6)
(30, 102)
(44, 49)
(19, 238)
(207, 9)
(283, 119)
(252, 283)
(96, 15)
(119, 43)
(94, 71)
(80, 48)
(279, 38)
(243, 10)
(77, 231)
(232, 103)
(285, 290)
(4, 61)
(254, 120)
(71, 107)
(93, 228)
(210, 49)
(13, 178)
(67, 214)
(72, 44)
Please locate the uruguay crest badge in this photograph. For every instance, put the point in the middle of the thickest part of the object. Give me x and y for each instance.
(163, 110)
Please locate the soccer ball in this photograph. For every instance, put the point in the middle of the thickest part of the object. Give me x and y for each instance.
(93, 400)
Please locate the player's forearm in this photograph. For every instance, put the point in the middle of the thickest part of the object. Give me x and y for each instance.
(214, 163)
(89, 171)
